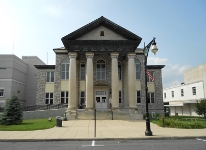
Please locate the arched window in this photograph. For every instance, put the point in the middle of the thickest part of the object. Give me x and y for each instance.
(101, 70)
(65, 69)
(137, 67)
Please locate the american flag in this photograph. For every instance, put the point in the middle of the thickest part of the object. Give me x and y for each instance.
(150, 76)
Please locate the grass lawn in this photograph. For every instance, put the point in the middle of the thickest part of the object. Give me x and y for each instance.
(182, 120)
(28, 125)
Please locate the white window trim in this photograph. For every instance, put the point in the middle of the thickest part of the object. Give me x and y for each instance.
(150, 97)
(83, 97)
(50, 76)
(136, 69)
(81, 71)
(49, 102)
(64, 97)
(101, 71)
(65, 69)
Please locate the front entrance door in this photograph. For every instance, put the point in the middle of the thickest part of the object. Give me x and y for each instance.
(101, 100)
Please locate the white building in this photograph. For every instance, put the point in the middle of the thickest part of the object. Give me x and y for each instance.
(182, 99)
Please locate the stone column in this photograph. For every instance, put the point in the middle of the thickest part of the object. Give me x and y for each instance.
(89, 81)
(72, 82)
(115, 89)
(131, 80)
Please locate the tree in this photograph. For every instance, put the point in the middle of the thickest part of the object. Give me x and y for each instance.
(201, 108)
(13, 111)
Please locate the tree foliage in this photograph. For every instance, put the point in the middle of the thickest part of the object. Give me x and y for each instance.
(201, 108)
(13, 111)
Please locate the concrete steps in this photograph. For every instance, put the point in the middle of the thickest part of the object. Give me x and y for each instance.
(107, 114)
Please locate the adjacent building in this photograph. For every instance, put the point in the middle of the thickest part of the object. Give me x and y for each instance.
(100, 67)
(182, 99)
(18, 76)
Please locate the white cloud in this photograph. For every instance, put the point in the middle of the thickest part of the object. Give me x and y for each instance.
(156, 61)
(172, 74)
(52, 11)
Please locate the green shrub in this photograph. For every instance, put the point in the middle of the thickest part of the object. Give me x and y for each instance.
(175, 123)
(167, 114)
(13, 112)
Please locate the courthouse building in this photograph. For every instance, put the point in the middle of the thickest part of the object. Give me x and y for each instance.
(100, 67)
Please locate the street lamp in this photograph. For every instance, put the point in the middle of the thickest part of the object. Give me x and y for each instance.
(148, 131)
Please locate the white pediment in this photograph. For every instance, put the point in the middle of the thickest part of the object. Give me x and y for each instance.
(95, 35)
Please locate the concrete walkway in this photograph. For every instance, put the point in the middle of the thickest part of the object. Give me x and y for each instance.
(106, 129)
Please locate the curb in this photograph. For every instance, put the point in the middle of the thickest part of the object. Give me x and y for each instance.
(100, 139)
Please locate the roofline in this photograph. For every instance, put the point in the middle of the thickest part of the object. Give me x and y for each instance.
(155, 66)
(96, 23)
(45, 66)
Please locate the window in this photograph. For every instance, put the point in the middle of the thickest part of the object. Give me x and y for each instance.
(120, 96)
(148, 78)
(82, 97)
(1, 92)
(172, 94)
(182, 92)
(138, 97)
(150, 97)
(194, 90)
(49, 98)
(165, 95)
(137, 67)
(65, 69)
(101, 70)
(102, 33)
(64, 97)
(119, 71)
(49, 76)
(82, 71)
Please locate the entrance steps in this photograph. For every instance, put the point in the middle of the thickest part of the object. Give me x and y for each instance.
(107, 114)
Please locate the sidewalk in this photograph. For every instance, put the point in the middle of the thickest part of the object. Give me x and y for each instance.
(105, 130)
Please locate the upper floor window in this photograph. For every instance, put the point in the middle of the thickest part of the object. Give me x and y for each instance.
(138, 97)
(49, 98)
(119, 71)
(182, 92)
(137, 67)
(194, 90)
(148, 78)
(101, 70)
(49, 76)
(82, 71)
(165, 95)
(65, 69)
(150, 97)
(173, 94)
(1, 92)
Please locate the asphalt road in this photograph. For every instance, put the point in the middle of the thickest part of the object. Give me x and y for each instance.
(177, 144)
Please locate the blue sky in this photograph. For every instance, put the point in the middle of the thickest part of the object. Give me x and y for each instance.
(35, 27)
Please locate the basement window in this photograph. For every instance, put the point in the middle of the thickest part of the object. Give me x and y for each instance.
(102, 33)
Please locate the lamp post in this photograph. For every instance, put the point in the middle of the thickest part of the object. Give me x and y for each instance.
(148, 131)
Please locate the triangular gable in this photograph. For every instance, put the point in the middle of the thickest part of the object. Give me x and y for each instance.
(102, 21)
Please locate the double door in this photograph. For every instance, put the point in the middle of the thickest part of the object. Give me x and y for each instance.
(101, 100)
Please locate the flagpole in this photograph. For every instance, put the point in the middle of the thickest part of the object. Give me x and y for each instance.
(148, 131)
